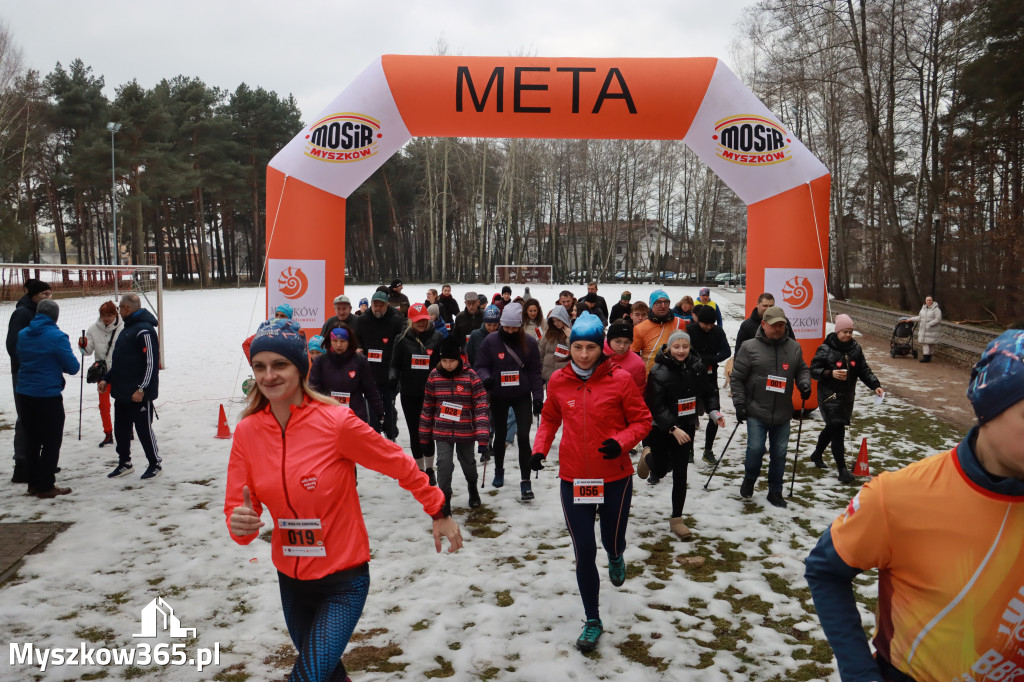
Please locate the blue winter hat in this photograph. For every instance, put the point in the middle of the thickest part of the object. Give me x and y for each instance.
(286, 309)
(492, 314)
(316, 343)
(283, 337)
(997, 380)
(657, 295)
(587, 328)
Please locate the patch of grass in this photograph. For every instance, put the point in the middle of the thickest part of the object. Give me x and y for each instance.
(707, 658)
(364, 635)
(68, 616)
(444, 668)
(374, 658)
(243, 608)
(504, 598)
(545, 546)
(201, 505)
(393, 609)
(283, 657)
(155, 581)
(639, 651)
(422, 625)
(819, 651)
(654, 585)
(202, 481)
(509, 560)
(489, 673)
(98, 675)
(233, 673)
(750, 602)
(660, 558)
(168, 530)
(455, 646)
(95, 634)
(133, 671)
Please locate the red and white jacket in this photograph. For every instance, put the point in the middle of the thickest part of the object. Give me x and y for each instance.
(307, 471)
(607, 405)
(454, 409)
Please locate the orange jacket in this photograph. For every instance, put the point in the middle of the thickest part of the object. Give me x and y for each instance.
(649, 336)
(307, 471)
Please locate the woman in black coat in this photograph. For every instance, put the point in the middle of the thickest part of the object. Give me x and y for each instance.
(836, 366)
(345, 375)
(678, 390)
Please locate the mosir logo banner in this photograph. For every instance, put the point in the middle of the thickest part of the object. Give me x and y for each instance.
(300, 284)
(801, 294)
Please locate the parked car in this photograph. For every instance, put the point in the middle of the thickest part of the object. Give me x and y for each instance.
(723, 278)
(667, 275)
(620, 275)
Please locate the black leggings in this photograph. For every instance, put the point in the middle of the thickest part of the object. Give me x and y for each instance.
(579, 519)
(523, 409)
(412, 406)
(834, 435)
(668, 455)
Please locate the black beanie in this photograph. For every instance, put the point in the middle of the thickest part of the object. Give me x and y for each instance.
(707, 314)
(450, 348)
(36, 286)
(620, 329)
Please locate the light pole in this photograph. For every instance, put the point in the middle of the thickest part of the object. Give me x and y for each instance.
(936, 217)
(113, 128)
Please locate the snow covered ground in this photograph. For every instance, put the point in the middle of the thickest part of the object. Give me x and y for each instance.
(504, 608)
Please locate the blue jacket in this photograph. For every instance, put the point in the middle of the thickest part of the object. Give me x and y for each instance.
(136, 359)
(45, 356)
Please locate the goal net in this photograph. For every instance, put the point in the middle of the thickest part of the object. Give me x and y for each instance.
(522, 274)
(81, 290)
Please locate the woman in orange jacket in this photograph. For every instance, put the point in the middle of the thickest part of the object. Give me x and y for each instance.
(295, 452)
(604, 416)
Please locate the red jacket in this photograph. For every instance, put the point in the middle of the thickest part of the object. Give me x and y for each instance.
(630, 362)
(307, 471)
(607, 405)
(465, 390)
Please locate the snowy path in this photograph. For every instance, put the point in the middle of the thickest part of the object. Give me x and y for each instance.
(505, 608)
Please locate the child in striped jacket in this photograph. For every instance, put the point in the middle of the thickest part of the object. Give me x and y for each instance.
(455, 414)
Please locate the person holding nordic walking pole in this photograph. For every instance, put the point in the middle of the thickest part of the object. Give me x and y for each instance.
(604, 416)
(766, 370)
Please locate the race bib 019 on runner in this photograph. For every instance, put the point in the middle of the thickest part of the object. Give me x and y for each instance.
(302, 537)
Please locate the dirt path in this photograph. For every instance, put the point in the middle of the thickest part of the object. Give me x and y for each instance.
(938, 387)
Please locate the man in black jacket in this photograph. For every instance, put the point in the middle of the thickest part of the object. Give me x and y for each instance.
(377, 332)
(134, 379)
(749, 326)
(469, 319)
(708, 341)
(35, 291)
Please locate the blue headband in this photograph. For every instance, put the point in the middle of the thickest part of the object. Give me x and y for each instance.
(339, 333)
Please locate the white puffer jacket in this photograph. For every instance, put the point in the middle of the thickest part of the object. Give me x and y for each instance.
(928, 328)
(101, 338)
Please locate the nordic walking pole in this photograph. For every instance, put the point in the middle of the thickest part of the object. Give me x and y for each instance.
(796, 455)
(81, 390)
(722, 456)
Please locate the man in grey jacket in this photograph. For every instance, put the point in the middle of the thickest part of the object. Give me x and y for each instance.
(763, 376)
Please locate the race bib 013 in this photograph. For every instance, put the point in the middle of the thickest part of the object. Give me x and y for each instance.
(374, 355)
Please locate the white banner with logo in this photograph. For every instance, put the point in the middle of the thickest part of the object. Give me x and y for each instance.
(800, 292)
(743, 142)
(300, 284)
(350, 139)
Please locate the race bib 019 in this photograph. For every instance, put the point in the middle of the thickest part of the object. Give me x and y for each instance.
(302, 537)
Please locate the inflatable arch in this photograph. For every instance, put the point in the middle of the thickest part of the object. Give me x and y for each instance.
(697, 100)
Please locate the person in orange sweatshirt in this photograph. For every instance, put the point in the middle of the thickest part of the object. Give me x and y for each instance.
(651, 334)
(295, 452)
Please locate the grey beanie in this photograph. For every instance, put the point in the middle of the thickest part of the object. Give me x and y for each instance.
(676, 335)
(48, 307)
(512, 315)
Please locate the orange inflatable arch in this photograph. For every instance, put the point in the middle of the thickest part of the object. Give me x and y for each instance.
(697, 100)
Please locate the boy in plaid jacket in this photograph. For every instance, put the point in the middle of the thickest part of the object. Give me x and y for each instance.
(455, 414)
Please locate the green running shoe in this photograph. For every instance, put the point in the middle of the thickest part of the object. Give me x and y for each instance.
(592, 630)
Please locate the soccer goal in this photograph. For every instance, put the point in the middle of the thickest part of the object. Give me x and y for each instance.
(522, 274)
(81, 290)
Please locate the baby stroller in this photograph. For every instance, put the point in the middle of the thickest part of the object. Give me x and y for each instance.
(902, 342)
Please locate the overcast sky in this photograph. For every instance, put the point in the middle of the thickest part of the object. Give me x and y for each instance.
(314, 48)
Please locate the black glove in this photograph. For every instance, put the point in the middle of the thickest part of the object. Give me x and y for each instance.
(537, 461)
(392, 382)
(489, 384)
(485, 452)
(380, 424)
(741, 413)
(805, 394)
(610, 448)
(538, 406)
(427, 449)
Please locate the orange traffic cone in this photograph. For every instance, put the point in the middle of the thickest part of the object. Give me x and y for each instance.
(223, 431)
(861, 468)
